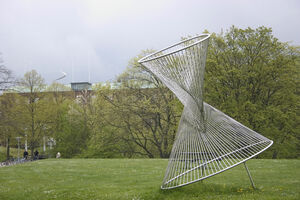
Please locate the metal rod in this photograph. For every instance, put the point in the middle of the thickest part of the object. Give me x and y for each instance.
(250, 177)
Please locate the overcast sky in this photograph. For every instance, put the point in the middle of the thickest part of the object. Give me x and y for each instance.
(101, 36)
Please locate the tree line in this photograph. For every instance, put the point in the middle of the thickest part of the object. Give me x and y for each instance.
(250, 75)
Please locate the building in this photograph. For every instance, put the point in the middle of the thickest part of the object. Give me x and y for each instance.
(79, 86)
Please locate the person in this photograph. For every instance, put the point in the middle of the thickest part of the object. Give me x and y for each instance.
(36, 155)
(58, 155)
(25, 155)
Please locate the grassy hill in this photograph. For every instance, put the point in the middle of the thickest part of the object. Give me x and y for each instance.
(141, 179)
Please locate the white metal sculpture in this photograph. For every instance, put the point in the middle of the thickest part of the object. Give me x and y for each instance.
(208, 141)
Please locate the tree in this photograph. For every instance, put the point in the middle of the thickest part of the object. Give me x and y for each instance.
(74, 120)
(105, 140)
(146, 113)
(6, 77)
(254, 77)
(80, 120)
(59, 98)
(34, 111)
(9, 126)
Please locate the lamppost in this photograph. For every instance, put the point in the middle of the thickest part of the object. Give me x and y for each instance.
(44, 138)
(26, 147)
(44, 143)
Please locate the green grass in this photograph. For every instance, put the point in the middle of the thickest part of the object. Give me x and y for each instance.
(141, 179)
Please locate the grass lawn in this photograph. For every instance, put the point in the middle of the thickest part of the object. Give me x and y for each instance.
(141, 179)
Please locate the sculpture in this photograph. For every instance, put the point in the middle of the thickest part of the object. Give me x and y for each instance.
(208, 141)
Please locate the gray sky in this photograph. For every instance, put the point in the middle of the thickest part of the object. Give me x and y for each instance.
(101, 36)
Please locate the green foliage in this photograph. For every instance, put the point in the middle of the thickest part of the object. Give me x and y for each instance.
(60, 100)
(33, 111)
(72, 134)
(9, 126)
(250, 75)
(13, 152)
(253, 77)
(2, 156)
(141, 179)
(105, 139)
(142, 113)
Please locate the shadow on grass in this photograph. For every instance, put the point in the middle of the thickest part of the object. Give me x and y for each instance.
(201, 190)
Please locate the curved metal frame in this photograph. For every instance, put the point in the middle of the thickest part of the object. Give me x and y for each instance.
(208, 141)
